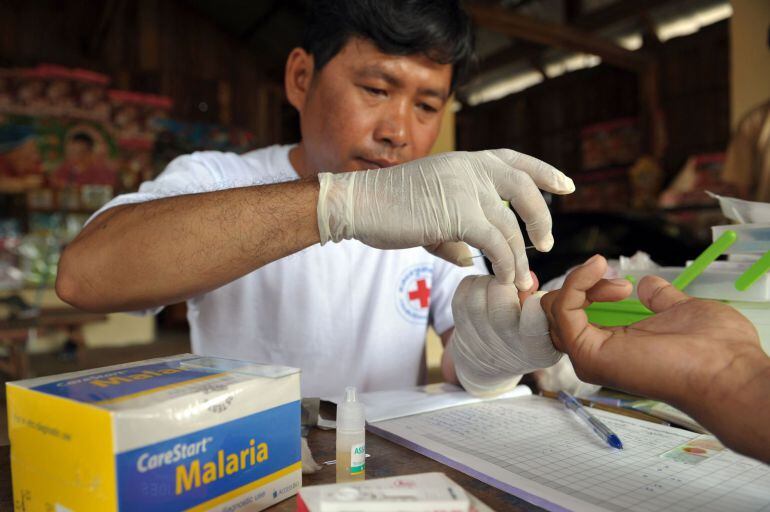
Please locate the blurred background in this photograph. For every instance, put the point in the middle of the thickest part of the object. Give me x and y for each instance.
(638, 101)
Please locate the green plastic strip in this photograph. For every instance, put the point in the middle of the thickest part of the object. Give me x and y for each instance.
(705, 259)
(624, 312)
(754, 272)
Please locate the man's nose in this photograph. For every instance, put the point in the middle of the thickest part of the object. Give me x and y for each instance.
(393, 127)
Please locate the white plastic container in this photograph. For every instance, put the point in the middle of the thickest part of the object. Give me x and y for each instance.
(752, 238)
(425, 492)
(712, 284)
(351, 438)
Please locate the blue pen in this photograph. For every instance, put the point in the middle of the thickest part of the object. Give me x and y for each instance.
(597, 426)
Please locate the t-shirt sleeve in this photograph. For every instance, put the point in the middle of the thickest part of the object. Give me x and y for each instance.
(446, 279)
(187, 174)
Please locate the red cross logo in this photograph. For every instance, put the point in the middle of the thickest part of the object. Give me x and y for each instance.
(422, 293)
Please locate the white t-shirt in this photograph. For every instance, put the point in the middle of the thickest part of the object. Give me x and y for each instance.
(346, 314)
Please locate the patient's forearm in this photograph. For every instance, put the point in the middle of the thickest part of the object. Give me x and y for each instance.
(736, 408)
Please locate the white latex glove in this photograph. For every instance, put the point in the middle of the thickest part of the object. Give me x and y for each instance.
(495, 340)
(450, 197)
(562, 377)
(309, 465)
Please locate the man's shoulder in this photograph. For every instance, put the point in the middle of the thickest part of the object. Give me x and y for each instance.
(267, 157)
(261, 166)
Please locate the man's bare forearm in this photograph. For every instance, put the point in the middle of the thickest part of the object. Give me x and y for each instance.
(159, 252)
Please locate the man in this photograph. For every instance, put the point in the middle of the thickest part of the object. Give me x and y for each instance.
(700, 356)
(237, 236)
(748, 157)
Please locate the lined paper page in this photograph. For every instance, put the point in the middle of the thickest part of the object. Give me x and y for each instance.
(533, 448)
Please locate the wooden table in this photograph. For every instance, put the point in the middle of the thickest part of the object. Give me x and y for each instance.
(387, 459)
(15, 331)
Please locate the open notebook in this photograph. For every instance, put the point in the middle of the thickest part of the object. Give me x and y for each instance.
(397, 403)
(534, 448)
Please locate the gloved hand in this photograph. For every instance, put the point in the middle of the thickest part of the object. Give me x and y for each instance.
(562, 377)
(495, 340)
(445, 198)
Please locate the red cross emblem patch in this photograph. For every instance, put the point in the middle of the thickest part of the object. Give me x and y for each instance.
(421, 293)
(413, 293)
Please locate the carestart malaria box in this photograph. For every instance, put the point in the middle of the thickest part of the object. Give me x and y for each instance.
(178, 433)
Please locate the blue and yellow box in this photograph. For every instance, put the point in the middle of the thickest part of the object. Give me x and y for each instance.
(179, 433)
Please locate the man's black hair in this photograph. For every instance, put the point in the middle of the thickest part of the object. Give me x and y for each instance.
(438, 29)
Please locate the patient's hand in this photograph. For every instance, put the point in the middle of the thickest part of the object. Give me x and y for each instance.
(701, 356)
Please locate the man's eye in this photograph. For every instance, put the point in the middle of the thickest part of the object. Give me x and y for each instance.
(428, 108)
(374, 91)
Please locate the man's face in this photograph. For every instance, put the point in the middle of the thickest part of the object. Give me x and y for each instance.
(366, 109)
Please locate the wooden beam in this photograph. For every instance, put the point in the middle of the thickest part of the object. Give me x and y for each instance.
(568, 38)
(619, 11)
(551, 34)
(651, 119)
(521, 50)
(623, 10)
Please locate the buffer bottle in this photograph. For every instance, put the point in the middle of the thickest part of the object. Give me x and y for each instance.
(351, 447)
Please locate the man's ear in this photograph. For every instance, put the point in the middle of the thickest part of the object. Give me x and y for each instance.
(298, 76)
